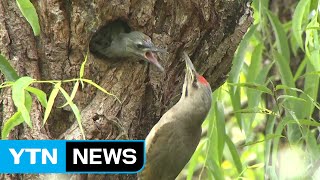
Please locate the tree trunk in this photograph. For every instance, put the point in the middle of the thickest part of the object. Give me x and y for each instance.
(209, 31)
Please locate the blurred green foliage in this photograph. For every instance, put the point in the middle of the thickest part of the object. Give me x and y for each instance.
(264, 121)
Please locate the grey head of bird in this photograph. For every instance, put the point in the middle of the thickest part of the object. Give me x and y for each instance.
(136, 44)
(196, 92)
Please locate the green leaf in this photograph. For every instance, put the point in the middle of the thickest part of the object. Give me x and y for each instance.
(220, 126)
(7, 69)
(236, 104)
(285, 87)
(234, 74)
(73, 94)
(300, 69)
(217, 172)
(312, 145)
(18, 97)
(290, 97)
(294, 45)
(268, 137)
(306, 122)
(83, 65)
(100, 88)
(311, 92)
(28, 101)
(281, 38)
(285, 71)
(271, 120)
(255, 65)
(12, 122)
(238, 59)
(29, 12)
(41, 96)
(297, 19)
(75, 110)
(311, 73)
(254, 86)
(234, 153)
(52, 97)
(316, 104)
(312, 43)
(256, 110)
(216, 131)
(16, 119)
(194, 160)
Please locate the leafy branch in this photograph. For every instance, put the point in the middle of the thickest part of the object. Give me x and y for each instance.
(22, 87)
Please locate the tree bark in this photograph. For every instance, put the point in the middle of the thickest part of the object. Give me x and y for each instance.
(209, 31)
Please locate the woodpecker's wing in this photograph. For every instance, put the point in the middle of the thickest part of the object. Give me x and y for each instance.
(168, 150)
(158, 157)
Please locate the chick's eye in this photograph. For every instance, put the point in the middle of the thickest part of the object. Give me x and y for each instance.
(140, 46)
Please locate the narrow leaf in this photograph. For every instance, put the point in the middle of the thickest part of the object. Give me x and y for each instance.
(41, 96)
(297, 19)
(239, 56)
(75, 110)
(73, 94)
(52, 97)
(281, 38)
(234, 153)
(255, 65)
(16, 119)
(18, 97)
(217, 172)
(194, 159)
(256, 110)
(290, 97)
(12, 122)
(236, 104)
(268, 137)
(316, 104)
(255, 86)
(220, 125)
(300, 69)
(83, 65)
(7, 69)
(29, 12)
(100, 88)
(285, 71)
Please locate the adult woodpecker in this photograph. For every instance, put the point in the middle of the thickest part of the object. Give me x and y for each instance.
(115, 42)
(172, 141)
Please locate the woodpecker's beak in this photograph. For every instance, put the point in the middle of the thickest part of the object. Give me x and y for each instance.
(190, 70)
(150, 55)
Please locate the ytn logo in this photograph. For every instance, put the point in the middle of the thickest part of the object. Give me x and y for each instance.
(32, 153)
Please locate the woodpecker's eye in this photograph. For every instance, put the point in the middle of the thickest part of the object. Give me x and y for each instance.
(195, 84)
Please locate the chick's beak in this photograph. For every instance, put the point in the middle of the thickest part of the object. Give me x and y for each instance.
(150, 56)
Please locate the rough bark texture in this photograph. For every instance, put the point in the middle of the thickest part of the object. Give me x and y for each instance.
(209, 31)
